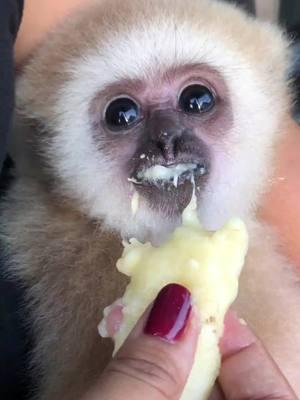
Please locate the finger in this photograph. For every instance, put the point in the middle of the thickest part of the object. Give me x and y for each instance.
(217, 393)
(112, 319)
(248, 371)
(158, 355)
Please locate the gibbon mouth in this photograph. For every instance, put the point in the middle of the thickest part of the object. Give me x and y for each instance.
(169, 175)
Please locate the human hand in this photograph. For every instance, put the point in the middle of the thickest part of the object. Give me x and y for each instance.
(247, 370)
(40, 17)
(280, 206)
(156, 359)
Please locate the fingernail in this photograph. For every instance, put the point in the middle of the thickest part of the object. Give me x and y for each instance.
(170, 312)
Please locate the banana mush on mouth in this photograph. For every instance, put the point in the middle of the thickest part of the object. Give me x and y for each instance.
(169, 173)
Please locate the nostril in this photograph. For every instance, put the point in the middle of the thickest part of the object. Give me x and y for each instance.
(165, 138)
(168, 143)
(166, 148)
(177, 146)
(162, 146)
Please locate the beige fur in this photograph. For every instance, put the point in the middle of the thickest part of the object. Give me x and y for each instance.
(63, 217)
(70, 282)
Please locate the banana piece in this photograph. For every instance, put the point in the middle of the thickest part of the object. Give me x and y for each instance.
(206, 263)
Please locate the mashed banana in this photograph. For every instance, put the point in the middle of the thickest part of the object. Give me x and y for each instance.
(206, 263)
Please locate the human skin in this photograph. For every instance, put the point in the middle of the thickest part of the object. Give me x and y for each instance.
(280, 206)
(40, 17)
(139, 367)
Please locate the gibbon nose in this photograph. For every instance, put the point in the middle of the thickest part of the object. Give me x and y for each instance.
(168, 142)
(166, 134)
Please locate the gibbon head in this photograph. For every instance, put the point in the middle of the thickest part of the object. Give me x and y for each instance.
(133, 100)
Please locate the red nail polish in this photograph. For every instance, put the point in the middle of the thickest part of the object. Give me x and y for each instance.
(170, 312)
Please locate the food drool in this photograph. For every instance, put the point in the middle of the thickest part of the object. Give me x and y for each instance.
(173, 174)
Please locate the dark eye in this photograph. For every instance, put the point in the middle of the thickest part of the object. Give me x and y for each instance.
(196, 99)
(121, 113)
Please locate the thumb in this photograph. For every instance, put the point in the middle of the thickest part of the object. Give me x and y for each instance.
(155, 360)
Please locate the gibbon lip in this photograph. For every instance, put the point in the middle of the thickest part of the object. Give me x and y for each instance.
(169, 174)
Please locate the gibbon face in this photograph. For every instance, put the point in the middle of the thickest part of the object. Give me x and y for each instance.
(136, 99)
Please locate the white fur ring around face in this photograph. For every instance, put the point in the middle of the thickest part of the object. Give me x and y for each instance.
(206, 263)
